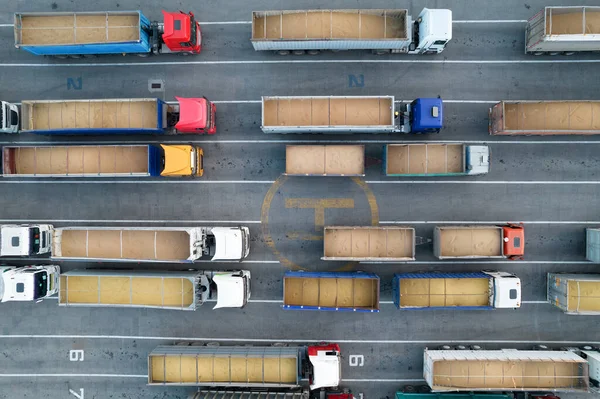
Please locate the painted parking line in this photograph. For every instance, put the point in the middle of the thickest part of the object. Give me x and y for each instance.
(124, 221)
(4, 375)
(436, 182)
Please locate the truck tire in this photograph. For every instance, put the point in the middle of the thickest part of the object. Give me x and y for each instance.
(409, 389)
(283, 52)
(381, 52)
(424, 389)
(313, 52)
(569, 53)
(541, 348)
(539, 53)
(298, 52)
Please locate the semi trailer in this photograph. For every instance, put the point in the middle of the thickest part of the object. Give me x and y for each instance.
(410, 392)
(28, 283)
(25, 239)
(103, 161)
(150, 244)
(474, 290)
(245, 366)
(79, 34)
(572, 370)
(545, 118)
(378, 30)
(369, 243)
(272, 394)
(110, 116)
(433, 159)
(181, 290)
(479, 241)
(576, 294)
(325, 160)
(563, 30)
(334, 291)
(350, 114)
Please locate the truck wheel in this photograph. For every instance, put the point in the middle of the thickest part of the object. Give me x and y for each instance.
(539, 53)
(541, 348)
(184, 53)
(569, 53)
(213, 344)
(409, 389)
(143, 55)
(555, 53)
(475, 347)
(76, 56)
(61, 57)
(283, 52)
(90, 56)
(313, 52)
(381, 52)
(424, 389)
(445, 347)
(298, 52)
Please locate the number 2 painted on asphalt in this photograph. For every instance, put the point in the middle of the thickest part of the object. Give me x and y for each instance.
(356, 360)
(77, 395)
(76, 355)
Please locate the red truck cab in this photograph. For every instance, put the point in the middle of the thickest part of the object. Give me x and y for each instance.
(514, 240)
(196, 116)
(181, 32)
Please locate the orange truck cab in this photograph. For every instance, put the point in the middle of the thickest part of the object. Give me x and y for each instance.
(514, 240)
(180, 33)
(192, 116)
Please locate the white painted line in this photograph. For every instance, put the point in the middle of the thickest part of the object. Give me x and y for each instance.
(49, 259)
(105, 181)
(484, 222)
(173, 221)
(480, 262)
(535, 302)
(489, 182)
(233, 102)
(292, 141)
(6, 25)
(271, 340)
(490, 21)
(397, 101)
(74, 375)
(225, 23)
(300, 61)
(381, 380)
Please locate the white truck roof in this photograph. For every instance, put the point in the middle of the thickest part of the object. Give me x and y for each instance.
(479, 157)
(436, 23)
(231, 290)
(326, 369)
(14, 241)
(229, 243)
(507, 292)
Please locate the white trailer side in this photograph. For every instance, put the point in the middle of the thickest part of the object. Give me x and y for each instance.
(387, 243)
(328, 114)
(506, 369)
(563, 30)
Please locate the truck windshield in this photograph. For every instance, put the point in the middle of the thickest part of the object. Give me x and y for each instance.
(35, 241)
(193, 31)
(40, 285)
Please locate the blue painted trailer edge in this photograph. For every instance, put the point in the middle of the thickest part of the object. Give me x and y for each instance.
(81, 132)
(154, 160)
(330, 274)
(296, 307)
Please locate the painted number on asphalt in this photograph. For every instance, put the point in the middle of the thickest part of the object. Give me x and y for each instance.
(356, 80)
(77, 395)
(76, 355)
(356, 360)
(75, 83)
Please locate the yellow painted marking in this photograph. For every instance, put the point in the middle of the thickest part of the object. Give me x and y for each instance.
(319, 205)
(296, 235)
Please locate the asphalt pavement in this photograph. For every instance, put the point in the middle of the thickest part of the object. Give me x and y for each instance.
(550, 184)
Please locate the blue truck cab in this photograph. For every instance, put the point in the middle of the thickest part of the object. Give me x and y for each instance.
(423, 115)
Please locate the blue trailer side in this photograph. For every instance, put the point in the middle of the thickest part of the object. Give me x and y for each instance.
(311, 291)
(27, 24)
(60, 117)
(396, 288)
(155, 160)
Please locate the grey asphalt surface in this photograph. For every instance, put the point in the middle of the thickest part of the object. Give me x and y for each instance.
(552, 183)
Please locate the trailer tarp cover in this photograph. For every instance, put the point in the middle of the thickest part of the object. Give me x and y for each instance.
(329, 24)
(572, 20)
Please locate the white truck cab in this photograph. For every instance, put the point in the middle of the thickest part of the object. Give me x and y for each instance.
(325, 360)
(28, 283)
(25, 239)
(432, 31)
(233, 289)
(478, 159)
(231, 243)
(505, 290)
(9, 117)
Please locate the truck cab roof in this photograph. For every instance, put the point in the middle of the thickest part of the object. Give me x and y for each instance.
(326, 366)
(428, 114)
(178, 160)
(14, 241)
(231, 290)
(478, 157)
(436, 24)
(514, 240)
(192, 115)
(229, 243)
(27, 283)
(177, 27)
(507, 291)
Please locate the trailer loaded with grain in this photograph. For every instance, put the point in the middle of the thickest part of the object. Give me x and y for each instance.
(111, 116)
(479, 241)
(180, 290)
(325, 160)
(563, 30)
(336, 291)
(475, 290)
(592, 244)
(369, 243)
(245, 366)
(545, 118)
(576, 294)
(433, 159)
(511, 370)
(350, 114)
(150, 244)
(103, 161)
(78, 34)
(382, 31)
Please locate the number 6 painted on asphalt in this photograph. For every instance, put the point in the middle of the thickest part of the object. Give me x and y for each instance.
(356, 360)
(76, 355)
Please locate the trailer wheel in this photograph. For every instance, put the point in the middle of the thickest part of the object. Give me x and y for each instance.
(76, 56)
(445, 347)
(298, 52)
(90, 56)
(61, 57)
(313, 52)
(539, 53)
(184, 53)
(424, 389)
(283, 52)
(213, 344)
(475, 347)
(541, 348)
(587, 348)
(381, 52)
(569, 53)
(555, 53)
(409, 389)
(143, 55)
